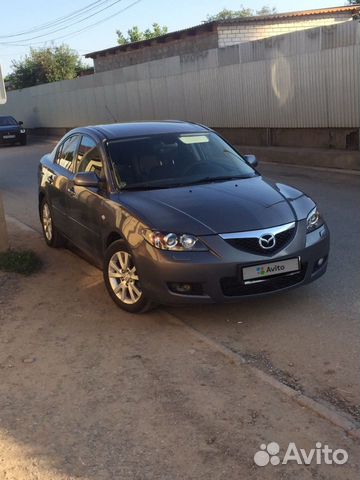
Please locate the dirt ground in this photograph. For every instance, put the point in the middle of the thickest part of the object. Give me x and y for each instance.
(90, 392)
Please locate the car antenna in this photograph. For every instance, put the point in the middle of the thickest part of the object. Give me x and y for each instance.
(112, 115)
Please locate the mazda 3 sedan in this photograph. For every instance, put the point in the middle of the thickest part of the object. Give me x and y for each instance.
(11, 131)
(173, 214)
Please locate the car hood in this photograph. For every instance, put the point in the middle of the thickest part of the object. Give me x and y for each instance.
(225, 207)
(9, 128)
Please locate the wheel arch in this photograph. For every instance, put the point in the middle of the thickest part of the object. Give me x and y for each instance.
(41, 198)
(111, 238)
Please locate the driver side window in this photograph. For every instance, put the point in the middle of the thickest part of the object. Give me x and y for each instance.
(89, 157)
(66, 152)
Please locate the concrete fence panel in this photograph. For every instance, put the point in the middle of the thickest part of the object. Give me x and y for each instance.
(307, 79)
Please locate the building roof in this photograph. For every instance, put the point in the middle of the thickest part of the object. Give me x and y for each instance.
(212, 26)
(349, 9)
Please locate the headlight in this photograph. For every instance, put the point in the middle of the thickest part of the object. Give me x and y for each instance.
(314, 220)
(173, 241)
(22, 130)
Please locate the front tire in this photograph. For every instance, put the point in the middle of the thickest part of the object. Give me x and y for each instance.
(122, 279)
(51, 235)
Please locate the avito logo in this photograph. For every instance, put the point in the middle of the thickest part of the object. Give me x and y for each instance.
(270, 454)
(270, 269)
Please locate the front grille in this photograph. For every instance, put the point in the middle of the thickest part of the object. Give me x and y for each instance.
(234, 287)
(251, 244)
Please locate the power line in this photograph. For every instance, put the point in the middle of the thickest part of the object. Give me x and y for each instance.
(77, 32)
(100, 22)
(58, 20)
(67, 26)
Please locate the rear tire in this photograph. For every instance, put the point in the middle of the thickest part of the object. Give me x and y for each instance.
(122, 280)
(51, 235)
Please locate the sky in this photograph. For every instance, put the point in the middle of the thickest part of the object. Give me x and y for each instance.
(122, 15)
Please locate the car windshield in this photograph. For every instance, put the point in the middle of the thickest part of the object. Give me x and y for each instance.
(170, 160)
(5, 121)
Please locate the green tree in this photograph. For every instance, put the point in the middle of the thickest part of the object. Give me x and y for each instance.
(226, 14)
(134, 34)
(45, 65)
(156, 31)
(266, 10)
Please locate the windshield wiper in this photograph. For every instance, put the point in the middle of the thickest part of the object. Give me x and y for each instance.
(139, 186)
(208, 179)
(219, 179)
(146, 186)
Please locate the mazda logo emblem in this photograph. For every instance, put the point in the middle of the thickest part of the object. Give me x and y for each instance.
(267, 241)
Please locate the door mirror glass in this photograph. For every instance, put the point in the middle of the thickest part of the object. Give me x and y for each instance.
(251, 159)
(87, 180)
(21, 123)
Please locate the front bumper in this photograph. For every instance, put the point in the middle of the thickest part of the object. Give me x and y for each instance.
(218, 271)
(16, 137)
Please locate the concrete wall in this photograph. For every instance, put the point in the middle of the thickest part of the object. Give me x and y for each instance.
(303, 80)
(234, 34)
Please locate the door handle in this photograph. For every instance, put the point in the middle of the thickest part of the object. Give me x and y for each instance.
(71, 191)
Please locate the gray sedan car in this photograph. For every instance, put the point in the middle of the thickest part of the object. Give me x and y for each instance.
(173, 214)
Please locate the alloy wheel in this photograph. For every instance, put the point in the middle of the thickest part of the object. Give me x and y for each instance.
(123, 278)
(47, 222)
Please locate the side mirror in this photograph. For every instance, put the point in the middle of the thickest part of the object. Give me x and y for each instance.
(87, 180)
(21, 123)
(251, 159)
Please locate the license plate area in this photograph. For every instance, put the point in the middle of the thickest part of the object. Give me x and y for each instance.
(7, 137)
(268, 270)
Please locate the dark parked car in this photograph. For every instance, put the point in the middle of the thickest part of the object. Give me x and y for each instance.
(173, 214)
(12, 131)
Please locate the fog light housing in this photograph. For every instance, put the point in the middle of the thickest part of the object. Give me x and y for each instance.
(319, 263)
(182, 287)
(185, 288)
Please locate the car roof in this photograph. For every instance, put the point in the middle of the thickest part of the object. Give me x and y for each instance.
(115, 131)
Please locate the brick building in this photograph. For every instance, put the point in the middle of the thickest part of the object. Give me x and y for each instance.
(218, 34)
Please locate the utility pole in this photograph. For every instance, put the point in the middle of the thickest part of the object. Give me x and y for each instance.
(4, 241)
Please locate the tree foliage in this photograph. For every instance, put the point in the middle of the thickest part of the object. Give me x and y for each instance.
(134, 34)
(266, 10)
(226, 14)
(45, 65)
